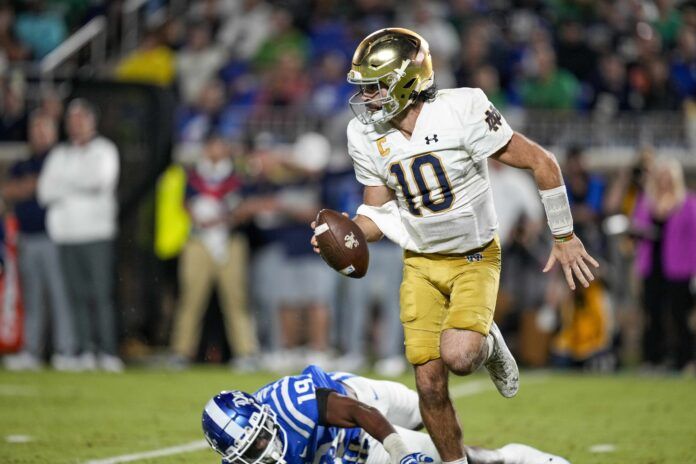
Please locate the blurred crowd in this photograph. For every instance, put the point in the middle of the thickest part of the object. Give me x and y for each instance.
(236, 276)
(230, 59)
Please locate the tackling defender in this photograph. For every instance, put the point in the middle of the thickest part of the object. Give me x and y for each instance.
(421, 155)
(328, 418)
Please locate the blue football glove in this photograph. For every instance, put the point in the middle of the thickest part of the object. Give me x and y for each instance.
(415, 458)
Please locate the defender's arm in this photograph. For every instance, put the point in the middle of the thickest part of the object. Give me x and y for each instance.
(342, 411)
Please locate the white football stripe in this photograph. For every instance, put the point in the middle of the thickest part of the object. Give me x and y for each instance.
(291, 407)
(223, 420)
(320, 229)
(279, 408)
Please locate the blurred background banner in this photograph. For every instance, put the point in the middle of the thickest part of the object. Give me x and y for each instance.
(11, 320)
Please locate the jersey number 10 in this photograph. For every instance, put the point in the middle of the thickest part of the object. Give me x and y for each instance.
(417, 164)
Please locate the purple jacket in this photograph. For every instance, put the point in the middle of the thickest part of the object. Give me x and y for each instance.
(679, 245)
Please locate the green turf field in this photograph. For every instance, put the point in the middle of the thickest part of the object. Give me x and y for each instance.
(75, 418)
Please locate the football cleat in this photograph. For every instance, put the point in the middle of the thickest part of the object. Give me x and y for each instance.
(242, 430)
(501, 366)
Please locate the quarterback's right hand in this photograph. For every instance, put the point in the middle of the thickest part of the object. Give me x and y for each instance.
(313, 240)
(415, 458)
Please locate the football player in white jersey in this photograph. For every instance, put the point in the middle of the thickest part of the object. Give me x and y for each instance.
(421, 155)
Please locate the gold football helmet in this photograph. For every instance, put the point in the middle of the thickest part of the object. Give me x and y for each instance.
(395, 59)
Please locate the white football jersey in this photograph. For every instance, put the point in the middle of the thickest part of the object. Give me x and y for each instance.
(440, 175)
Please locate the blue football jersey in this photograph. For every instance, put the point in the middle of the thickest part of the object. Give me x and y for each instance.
(294, 401)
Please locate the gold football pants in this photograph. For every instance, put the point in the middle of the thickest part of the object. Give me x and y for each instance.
(441, 292)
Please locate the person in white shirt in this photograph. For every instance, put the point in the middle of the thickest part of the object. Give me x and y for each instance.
(78, 187)
(421, 155)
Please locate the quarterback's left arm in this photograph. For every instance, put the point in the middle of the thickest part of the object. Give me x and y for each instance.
(520, 152)
(343, 411)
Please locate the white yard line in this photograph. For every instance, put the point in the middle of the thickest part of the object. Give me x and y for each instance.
(603, 448)
(18, 438)
(462, 390)
(184, 448)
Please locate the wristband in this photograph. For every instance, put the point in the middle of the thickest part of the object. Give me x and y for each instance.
(395, 446)
(564, 238)
(557, 209)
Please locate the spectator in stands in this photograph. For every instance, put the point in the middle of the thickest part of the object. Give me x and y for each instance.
(214, 256)
(284, 39)
(610, 83)
(246, 28)
(302, 293)
(204, 116)
(429, 19)
(39, 263)
(330, 90)
(286, 84)
(520, 227)
(487, 79)
(152, 62)
(683, 65)
(668, 21)
(197, 62)
(665, 221)
(40, 28)
(52, 105)
(586, 197)
(661, 93)
(10, 45)
(573, 52)
(13, 118)
(78, 187)
(474, 52)
(547, 86)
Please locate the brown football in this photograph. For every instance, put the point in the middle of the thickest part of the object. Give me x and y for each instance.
(341, 243)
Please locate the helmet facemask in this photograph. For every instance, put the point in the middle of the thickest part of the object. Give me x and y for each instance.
(397, 63)
(263, 443)
(388, 104)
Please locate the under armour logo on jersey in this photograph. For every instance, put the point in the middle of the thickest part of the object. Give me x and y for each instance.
(431, 139)
(493, 118)
(351, 241)
(476, 257)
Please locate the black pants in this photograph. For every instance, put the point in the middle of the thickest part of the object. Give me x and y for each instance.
(667, 301)
(89, 275)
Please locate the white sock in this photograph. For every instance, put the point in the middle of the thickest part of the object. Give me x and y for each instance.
(490, 343)
(458, 461)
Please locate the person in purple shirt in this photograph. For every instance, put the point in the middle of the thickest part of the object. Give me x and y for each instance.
(665, 222)
(41, 277)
